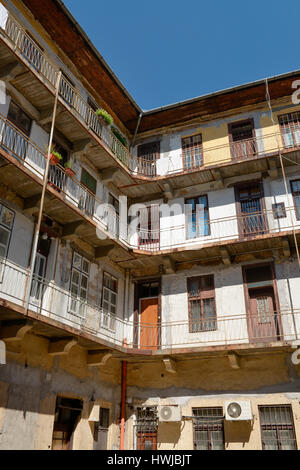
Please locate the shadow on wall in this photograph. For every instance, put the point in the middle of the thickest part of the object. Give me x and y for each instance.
(237, 432)
(169, 433)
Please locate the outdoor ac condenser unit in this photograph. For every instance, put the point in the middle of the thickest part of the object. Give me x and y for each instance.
(238, 411)
(169, 413)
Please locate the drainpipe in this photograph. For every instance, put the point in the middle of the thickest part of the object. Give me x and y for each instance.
(136, 130)
(123, 401)
(38, 225)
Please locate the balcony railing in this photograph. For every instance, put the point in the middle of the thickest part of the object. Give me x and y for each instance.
(204, 232)
(54, 303)
(47, 71)
(185, 234)
(16, 144)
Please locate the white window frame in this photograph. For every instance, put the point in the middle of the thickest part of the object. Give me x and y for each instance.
(77, 302)
(108, 318)
(8, 228)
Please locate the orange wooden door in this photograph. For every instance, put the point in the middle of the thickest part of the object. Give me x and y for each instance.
(149, 324)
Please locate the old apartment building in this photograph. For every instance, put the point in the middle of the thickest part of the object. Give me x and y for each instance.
(168, 319)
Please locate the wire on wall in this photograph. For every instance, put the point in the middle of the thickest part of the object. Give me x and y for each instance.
(282, 167)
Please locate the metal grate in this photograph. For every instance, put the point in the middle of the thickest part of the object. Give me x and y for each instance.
(290, 129)
(208, 426)
(146, 428)
(277, 428)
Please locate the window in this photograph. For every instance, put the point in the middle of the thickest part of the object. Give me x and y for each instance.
(147, 156)
(202, 310)
(67, 414)
(252, 218)
(277, 428)
(279, 211)
(19, 118)
(197, 217)
(101, 430)
(296, 194)
(109, 301)
(6, 225)
(113, 220)
(79, 283)
(87, 200)
(208, 426)
(148, 229)
(192, 152)
(242, 140)
(290, 129)
(146, 428)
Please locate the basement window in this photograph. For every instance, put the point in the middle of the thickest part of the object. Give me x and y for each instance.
(277, 428)
(208, 427)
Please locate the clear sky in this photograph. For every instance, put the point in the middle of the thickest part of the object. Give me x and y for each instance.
(165, 51)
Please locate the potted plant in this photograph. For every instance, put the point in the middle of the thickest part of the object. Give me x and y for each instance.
(68, 168)
(55, 157)
(104, 116)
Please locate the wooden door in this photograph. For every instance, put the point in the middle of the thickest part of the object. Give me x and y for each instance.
(147, 440)
(252, 218)
(149, 331)
(263, 319)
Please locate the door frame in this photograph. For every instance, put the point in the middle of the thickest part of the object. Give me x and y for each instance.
(239, 211)
(273, 284)
(136, 316)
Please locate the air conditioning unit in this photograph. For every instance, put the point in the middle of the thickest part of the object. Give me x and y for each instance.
(169, 413)
(238, 411)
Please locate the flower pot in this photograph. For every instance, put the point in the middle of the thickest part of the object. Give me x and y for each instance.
(70, 172)
(53, 159)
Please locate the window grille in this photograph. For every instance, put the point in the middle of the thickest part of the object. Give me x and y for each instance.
(277, 428)
(208, 426)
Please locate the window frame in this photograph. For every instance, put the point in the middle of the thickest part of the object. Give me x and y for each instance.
(203, 294)
(9, 230)
(150, 241)
(232, 142)
(81, 273)
(276, 427)
(193, 148)
(206, 426)
(296, 207)
(16, 122)
(108, 317)
(291, 126)
(198, 235)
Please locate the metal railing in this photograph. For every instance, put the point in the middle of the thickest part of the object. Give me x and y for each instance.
(237, 227)
(56, 303)
(20, 42)
(17, 144)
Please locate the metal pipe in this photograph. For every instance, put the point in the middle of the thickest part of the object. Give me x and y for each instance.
(136, 129)
(38, 225)
(123, 401)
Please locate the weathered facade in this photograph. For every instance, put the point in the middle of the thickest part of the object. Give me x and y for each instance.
(166, 276)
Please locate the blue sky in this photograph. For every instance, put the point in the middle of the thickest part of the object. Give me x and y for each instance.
(165, 51)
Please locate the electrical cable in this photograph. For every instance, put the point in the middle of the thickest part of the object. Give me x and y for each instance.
(282, 168)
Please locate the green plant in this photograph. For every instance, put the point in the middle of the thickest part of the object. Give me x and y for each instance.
(119, 136)
(53, 152)
(105, 115)
(68, 164)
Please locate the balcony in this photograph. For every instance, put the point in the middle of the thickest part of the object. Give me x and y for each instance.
(55, 306)
(44, 70)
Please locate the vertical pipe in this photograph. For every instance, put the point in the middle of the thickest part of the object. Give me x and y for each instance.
(38, 225)
(123, 401)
